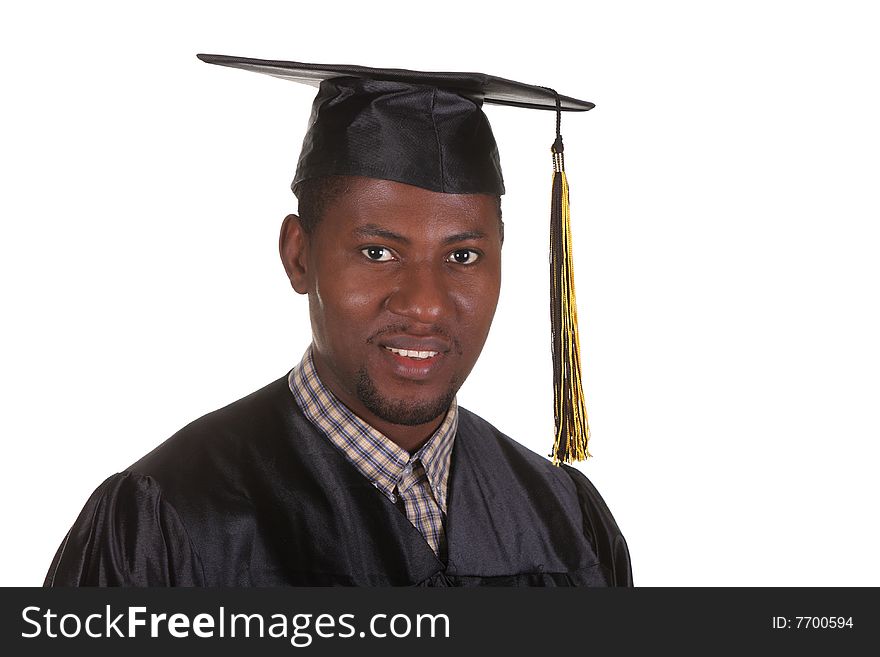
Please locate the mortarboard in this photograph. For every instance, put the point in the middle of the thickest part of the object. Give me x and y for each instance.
(373, 122)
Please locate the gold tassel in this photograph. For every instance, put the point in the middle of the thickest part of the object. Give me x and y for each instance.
(569, 407)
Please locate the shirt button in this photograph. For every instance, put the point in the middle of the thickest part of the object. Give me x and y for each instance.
(393, 498)
(407, 470)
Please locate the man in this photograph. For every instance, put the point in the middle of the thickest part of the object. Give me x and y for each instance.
(358, 467)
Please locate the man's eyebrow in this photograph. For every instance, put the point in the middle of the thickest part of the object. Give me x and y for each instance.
(463, 237)
(372, 230)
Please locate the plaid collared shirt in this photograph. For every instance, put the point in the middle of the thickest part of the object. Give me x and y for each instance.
(418, 482)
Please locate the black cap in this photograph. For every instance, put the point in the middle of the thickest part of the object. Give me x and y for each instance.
(423, 129)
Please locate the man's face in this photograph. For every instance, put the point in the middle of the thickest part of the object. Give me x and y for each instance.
(402, 284)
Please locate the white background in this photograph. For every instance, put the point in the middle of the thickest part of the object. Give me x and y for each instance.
(725, 208)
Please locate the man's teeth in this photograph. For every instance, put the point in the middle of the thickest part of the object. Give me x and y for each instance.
(413, 354)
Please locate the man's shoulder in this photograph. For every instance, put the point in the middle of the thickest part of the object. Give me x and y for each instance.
(239, 431)
(517, 478)
(497, 448)
(245, 415)
(503, 445)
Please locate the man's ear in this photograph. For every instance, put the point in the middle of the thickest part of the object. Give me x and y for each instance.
(293, 245)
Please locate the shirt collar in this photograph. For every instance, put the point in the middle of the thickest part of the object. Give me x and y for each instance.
(375, 455)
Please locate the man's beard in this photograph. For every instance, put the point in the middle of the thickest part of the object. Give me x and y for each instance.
(403, 412)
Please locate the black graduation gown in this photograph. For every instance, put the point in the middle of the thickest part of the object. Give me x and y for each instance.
(254, 495)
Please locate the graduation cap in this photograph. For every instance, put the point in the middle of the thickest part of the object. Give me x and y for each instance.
(429, 130)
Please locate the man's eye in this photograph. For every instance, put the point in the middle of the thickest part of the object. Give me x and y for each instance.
(463, 257)
(377, 253)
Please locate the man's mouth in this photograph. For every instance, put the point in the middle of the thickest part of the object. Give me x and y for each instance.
(415, 355)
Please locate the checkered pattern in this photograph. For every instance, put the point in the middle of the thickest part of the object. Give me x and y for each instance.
(418, 482)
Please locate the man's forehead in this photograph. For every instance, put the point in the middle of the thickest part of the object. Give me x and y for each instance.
(372, 207)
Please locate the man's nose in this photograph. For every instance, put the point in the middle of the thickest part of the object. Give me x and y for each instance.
(421, 295)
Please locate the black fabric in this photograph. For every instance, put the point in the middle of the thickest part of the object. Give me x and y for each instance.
(253, 495)
(491, 88)
(419, 128)
(414, 134)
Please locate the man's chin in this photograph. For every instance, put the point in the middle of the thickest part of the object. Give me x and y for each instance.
(407, 411)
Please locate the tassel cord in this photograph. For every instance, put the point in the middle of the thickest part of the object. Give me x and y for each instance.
(570, 416)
